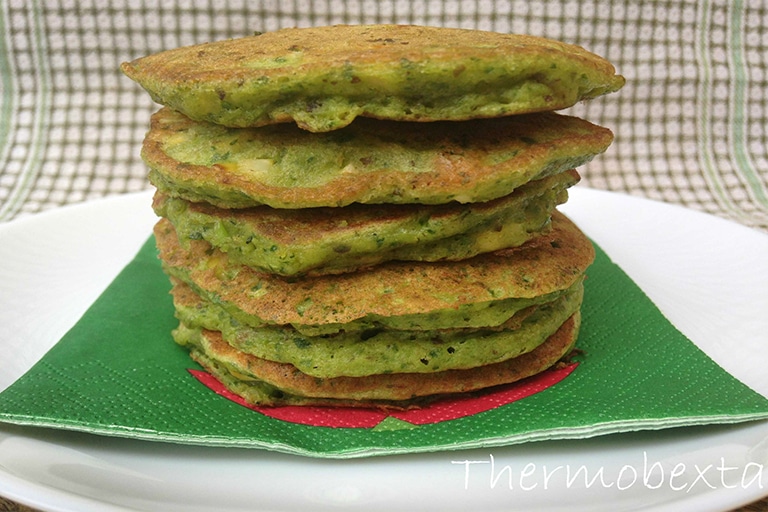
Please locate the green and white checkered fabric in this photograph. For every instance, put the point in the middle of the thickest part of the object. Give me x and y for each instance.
(691, 123)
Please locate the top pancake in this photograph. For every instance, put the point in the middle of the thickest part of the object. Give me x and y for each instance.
(324, 77)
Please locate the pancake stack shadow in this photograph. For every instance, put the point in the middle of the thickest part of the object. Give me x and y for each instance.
(367, 215)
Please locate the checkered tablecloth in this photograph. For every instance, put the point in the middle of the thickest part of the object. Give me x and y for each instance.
(691, 123)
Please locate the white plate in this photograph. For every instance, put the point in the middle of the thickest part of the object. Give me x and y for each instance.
(709, 276)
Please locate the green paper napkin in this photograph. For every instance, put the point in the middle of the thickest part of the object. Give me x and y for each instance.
(117, 372)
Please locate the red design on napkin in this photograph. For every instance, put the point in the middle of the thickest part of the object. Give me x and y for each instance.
(442, 410)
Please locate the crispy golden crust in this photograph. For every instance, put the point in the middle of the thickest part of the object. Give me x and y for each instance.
(323, 77)
(365, 391)
(551, 262)
(367, 162)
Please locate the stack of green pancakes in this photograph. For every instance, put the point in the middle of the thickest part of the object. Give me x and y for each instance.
(366, 215)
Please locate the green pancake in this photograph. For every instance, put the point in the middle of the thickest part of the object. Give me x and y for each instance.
(400, 295)
(370, 161)
(262, 382)
(324, 77)
(358, 354)
(332, 240)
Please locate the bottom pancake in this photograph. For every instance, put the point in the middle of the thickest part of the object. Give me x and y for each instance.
(262, 382)
(382, 350)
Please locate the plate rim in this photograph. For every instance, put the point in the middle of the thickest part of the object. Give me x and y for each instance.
(32, 494)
